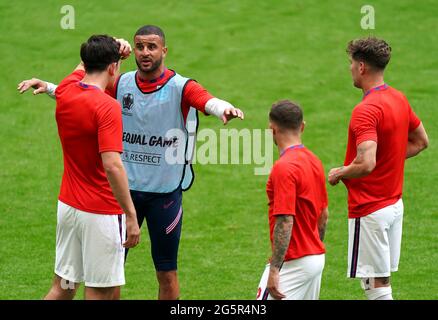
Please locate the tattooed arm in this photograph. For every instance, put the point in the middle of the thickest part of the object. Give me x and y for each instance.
(361, 166)
(282, 234)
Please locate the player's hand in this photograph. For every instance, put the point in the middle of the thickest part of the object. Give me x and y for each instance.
(272, 286)
(334, 176)
(231, 113)
(133, 231)
(125, 48)
(40, 86)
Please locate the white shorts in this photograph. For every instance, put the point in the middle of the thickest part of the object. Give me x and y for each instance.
(374, 243)
(300, 279)
(89, 247)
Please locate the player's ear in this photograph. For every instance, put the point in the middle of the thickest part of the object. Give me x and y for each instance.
(110, 69)
(362, 67)
(113, 68)
(303, 125)
(164, 52)
(270, 125)
(273, 128)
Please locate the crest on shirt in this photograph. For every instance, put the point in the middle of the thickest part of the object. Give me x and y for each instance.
(128, 101)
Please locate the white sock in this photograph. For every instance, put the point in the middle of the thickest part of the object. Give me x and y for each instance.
(382, 293)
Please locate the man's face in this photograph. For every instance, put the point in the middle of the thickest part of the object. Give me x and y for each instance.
(355, 68)
(149, 52)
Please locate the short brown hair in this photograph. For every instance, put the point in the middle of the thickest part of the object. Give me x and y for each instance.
(99, 52)
(151, 29)
(375, 52)
(286, 114)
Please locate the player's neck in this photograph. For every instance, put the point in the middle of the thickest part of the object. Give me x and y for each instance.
(372, 83)
(288, 141)
(147, 76)
(96, 79)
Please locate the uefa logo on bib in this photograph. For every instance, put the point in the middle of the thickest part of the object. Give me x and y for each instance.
(127, 103)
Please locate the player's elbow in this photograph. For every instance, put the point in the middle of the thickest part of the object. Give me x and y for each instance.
(112, 163)
(418, 139)
(368, 167)
(112, 169)
(323, 218)
(424, 143)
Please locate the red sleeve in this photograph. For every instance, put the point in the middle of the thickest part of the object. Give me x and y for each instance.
(74, 77)
(195, 96)
(284, 185)
(109, 127)
(364, 121)
(414, 121)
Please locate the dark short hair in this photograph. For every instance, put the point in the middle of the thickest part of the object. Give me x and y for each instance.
(286, 114)
(99, 52)
(151, 29)
(375, 52)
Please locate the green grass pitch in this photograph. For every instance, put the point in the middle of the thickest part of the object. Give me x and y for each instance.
(250, 53)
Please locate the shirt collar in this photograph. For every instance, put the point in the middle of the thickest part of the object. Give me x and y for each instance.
(378, 88)
(296, 146)
(153, 80)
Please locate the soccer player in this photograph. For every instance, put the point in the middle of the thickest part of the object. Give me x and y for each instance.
(155, 101)
(94, 198)
(298, 212)
(383, 132)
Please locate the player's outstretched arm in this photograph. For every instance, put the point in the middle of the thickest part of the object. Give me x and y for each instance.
(417, 141)
(40, 86)
(223, 110)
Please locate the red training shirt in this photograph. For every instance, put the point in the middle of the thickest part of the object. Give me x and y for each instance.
(296, 186)
(383, 116)
(89, 123)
